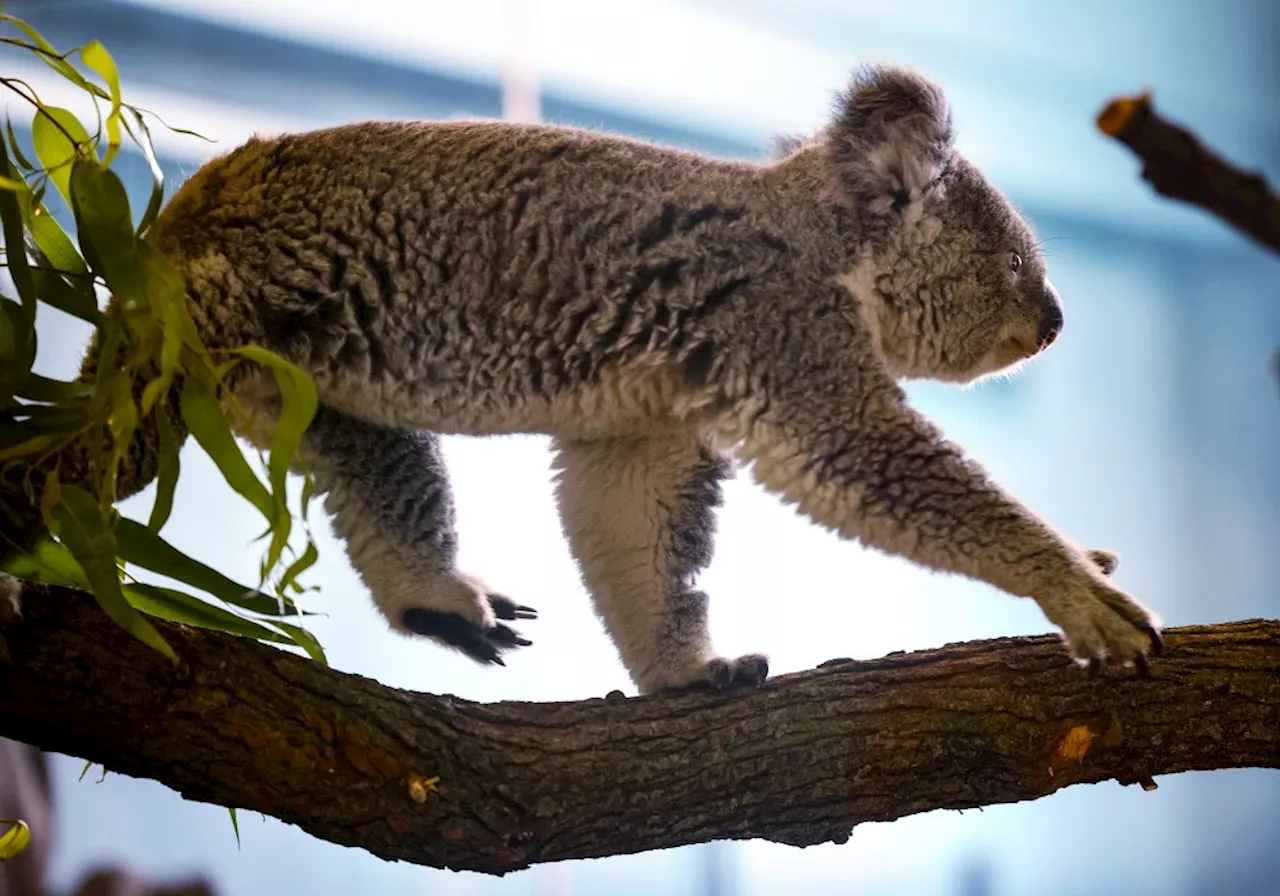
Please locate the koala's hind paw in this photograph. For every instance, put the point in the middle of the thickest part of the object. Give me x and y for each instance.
(751, 670)
(1102, 624)
(1106, 561)
(460, 611)
(480, 642)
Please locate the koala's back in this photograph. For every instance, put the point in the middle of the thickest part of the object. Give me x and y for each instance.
(428, 263)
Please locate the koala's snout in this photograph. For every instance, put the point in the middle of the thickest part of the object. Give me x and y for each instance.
(1050, 327)
(1051, 320)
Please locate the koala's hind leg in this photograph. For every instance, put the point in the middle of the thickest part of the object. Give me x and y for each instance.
(388, 493)
(639, 514)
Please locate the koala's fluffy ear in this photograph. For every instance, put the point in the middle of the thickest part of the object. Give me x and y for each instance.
(891, 137)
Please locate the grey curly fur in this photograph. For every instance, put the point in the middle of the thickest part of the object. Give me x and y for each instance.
(655, 311)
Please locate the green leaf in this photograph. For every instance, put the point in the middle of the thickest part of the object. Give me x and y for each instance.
(14, 146)
(303, 639)
(50, 56)
(59, 139)
(166, 294)
(15, 186)
(156, 198)
(95, 56)
(298, 408)
(53, 290)
(47, 563)
(101, 208)
(235, 824)
(14, 840)
(81, 524)
(52, 241)
(175, 606)
(16, 255)
(40, 388)
(299, 566)
(17, 349)
(168, 467)
(144, 548)
(33, 445)
(203, 416)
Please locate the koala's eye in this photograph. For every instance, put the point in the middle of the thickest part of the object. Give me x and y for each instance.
(1015, 261)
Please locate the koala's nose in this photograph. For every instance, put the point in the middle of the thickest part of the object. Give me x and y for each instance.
(1051, 321)
(1050, 327)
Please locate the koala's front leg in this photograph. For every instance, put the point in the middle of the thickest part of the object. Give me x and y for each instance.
(639, 514)
(827, 429)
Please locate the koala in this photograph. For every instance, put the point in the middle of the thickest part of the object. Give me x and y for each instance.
(662, 316)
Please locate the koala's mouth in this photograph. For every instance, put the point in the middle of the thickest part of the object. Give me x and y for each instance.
(1019, 348)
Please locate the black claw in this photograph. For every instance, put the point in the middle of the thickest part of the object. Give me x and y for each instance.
(505, 608)
(1157, 640)
(506, 636)
(1094, 668)
(1144, 668)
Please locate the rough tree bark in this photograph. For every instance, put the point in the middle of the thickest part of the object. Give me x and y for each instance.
(444, 782)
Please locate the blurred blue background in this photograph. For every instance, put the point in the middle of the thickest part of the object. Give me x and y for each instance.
(1151, 428)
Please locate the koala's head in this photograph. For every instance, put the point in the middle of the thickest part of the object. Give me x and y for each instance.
(945, 269)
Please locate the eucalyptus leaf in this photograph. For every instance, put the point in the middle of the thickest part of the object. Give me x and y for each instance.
(303, 639)
(142, 547)
(42, 388)
(203, 416)
(308, 559)
(298, 408)
(101, 207)
(14, 147)
(52, 241)
(59, 140)
(49, 56)
(167, 469)
(95, 56)
(80, 524)
(175, 606)
(53, 289)
(15, 254)
(47, 563)
(17, 349)
(156, 199)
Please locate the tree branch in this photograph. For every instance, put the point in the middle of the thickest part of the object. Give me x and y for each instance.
(800, 761)
(1179, 166)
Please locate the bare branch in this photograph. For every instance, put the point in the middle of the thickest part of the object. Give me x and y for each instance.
(1179, 166)
(444, 782)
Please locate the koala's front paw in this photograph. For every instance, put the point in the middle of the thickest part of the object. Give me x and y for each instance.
(482, 641)
(1102, 624)
(1106, 561)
